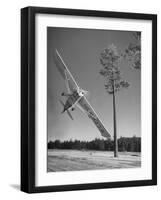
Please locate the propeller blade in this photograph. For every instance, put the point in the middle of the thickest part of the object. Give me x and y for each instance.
(87, 93)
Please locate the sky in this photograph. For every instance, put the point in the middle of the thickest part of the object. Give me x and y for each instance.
(80, 50)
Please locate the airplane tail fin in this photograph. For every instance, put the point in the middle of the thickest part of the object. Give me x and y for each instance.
(69, 114)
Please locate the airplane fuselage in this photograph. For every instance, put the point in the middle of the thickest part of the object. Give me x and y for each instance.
(72, 99)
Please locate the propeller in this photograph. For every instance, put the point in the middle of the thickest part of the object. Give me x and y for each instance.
(84, 92)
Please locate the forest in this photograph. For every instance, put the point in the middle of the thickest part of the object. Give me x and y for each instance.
(131, 144)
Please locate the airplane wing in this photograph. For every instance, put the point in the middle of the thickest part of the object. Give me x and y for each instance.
(65, 73)
(83, 103)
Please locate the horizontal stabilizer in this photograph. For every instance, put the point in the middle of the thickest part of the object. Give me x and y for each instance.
(62, 103)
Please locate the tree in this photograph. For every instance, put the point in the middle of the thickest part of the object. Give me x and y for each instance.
(110, 60)
(133, 51)
(124, 144)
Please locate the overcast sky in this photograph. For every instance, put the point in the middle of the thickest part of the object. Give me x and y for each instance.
(80, 50)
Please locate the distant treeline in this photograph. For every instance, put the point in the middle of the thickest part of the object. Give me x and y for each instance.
(132, 144)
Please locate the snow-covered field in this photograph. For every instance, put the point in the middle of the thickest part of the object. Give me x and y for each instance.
(75, 160)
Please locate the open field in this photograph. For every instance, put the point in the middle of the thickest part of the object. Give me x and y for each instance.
(75, 160)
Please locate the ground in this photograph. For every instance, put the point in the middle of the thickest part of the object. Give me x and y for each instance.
(75, 160)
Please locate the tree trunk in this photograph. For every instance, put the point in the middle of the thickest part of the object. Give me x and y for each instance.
(114, 125)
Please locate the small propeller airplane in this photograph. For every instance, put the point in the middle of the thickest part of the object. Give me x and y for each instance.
(76, 96)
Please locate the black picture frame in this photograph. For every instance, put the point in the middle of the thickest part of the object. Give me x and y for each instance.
(28, 98)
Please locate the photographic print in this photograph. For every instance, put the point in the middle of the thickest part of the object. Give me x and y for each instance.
(93, 99)
(88, 99)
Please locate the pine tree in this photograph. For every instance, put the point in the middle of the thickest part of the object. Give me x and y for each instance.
(110, 61)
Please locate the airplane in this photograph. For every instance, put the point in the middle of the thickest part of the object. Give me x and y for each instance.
(76, 96)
